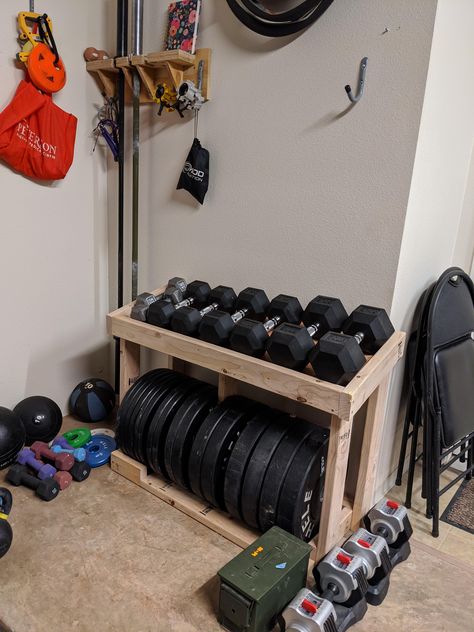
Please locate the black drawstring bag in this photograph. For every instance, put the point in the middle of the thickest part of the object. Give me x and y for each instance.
(195, 175)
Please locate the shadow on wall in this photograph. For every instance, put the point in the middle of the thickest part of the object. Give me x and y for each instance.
(244, 38)
(94, 362)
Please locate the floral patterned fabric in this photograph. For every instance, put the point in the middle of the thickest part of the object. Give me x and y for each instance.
(182, 25)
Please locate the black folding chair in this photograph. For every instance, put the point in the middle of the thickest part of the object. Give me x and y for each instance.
(441, 383)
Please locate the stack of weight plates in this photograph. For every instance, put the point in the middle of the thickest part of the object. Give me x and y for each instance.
(261, 466)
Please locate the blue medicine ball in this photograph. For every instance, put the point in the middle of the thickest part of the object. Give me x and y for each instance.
(92, 400)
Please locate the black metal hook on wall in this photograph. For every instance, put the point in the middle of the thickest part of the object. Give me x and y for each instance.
(355, 98)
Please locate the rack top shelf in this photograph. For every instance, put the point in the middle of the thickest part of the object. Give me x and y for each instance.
(302, 387)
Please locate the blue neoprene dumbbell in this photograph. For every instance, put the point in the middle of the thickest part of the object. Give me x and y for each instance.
(79, 453)
(43, 470)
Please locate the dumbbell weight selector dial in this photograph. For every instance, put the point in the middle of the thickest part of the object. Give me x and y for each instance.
(374, 552)
(309, 613)
(6, 533)
(340, 356)
(290, 345)
(174, 292)
(160, 312)
(250, 336)
(187, 319)
(216, 327)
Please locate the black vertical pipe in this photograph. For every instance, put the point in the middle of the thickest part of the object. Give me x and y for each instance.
(122, 49)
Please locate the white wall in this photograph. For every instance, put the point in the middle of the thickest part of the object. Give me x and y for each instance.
(307, 196)
(53, 239)
(440, 203)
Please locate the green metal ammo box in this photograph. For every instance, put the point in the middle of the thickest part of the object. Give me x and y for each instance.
(260, 582)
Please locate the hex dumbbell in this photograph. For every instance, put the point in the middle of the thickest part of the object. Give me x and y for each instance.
(160, 312)
(187, 320)
(62, 461)
(250, 336)
(174, 292)
(63, 479)
(290, 345)
(47, 489)
(339, 356)
(79, 454)
(216, 327)
(43, 470)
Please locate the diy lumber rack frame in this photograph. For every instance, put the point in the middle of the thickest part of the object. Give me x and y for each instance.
(339, 514)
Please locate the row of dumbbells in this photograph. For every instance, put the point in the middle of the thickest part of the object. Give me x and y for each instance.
(251, 324)
(49, 470)
(354, 575)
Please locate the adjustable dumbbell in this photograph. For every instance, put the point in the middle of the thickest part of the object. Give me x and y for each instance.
(374, 553)
(339, 356)
(251, 336)
(390, 520)
(187, 319)
(6, 533)
(63, 462)
(43, 470)
(216, 327)
(290, 345)
(309, 613)
(174, 292)
(160, 312)
(340, 577)
(79, 454)
(47, 489)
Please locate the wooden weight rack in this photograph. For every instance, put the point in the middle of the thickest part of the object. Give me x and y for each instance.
(339, 514)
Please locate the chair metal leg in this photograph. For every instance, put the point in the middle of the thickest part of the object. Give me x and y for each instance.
(436, 475)
(411, 469)
(469, 459)
(405, 437)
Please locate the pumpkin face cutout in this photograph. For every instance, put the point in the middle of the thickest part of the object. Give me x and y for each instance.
(47, 75)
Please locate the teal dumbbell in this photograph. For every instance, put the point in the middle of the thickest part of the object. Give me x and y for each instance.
(79, 453)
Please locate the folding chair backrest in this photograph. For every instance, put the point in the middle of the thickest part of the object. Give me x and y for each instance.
(449, 358)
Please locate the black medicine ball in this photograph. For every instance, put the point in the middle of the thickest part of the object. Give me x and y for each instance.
(12, 436)
(41, 417)
(92, 400)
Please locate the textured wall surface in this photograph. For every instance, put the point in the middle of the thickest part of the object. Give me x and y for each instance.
(438, 228)
(307, 196)
(53, 239)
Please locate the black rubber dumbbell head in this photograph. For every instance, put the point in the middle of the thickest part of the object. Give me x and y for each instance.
(80, 471)
(161, 312)
(187, 319)
(290, 345)
(47, 489)
(250, 336)
(337, 358)
(373, 323)
(326, 312)
(217, 326)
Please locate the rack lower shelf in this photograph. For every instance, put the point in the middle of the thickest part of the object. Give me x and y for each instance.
(196, 508)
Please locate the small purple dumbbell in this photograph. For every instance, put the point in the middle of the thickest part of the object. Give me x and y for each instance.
(79, 453)
(43, 470)
(61, 441)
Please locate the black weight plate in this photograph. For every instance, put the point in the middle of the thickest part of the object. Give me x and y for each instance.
(147, 410)
(298, 432)
(299, 507)
(227, 407)
(239, 459)
(188, 419)
(161, 421)
(122, 435)
(154, 385)
(255, 473)
(219, 448)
